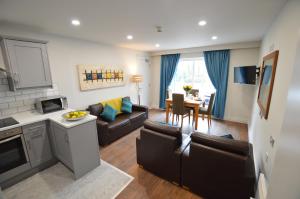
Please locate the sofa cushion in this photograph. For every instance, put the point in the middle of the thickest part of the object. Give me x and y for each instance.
(164, 129)
(108, 114)
(135, 115)
(116, 103)
(126, 105)
(234, 146)
(121, 120)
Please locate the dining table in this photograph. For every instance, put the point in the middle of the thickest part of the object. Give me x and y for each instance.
(191, 103)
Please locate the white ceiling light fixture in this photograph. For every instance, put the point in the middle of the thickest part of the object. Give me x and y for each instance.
(202, 23)
(129, 37)
(157, 45)
(214, 37)
(75, 22)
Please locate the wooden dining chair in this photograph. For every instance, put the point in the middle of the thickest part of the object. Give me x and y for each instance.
(206, 111)
(179, 109)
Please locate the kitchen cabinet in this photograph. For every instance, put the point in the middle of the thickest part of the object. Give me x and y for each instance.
(37, 143)
(61, 144)
(26, 63)
(76, 147)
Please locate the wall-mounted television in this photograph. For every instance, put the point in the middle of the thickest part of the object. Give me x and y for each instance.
(245, 74)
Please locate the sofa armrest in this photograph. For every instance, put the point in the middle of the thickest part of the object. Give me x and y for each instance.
(136, 107)
(185, 143)
(138, 150)
(102, 129)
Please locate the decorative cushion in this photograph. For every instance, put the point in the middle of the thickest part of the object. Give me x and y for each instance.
(126, 105)
(115, 103)
(108, 114)
(228, 136)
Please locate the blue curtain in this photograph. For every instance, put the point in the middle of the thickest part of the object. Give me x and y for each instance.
(167, 70)
(217, 64)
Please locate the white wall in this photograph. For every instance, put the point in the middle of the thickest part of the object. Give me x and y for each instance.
(155, 81)
(285, 181)
(66, 53)
(239, 97)
(282, 36)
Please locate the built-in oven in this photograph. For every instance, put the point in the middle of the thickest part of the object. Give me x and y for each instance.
(13, 154)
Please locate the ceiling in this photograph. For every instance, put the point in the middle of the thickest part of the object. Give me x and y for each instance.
(110, 21)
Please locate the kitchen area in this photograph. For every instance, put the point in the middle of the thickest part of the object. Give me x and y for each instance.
(39, 136)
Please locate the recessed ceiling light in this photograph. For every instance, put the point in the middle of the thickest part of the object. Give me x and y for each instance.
(214, 37)
(75, 22)
(157, 45)
(129, 37)
(202, 23)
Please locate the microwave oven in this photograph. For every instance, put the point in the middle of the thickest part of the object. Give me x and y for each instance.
(51, 104)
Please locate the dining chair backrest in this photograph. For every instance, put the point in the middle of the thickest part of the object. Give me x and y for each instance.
(194, 92)
(178, 104)
(211, 102)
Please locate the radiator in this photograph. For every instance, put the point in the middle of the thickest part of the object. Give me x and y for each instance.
(262, 187)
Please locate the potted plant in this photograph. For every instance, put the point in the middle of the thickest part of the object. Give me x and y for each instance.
(187, 89)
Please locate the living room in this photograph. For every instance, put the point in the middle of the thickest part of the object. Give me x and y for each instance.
(135, 48)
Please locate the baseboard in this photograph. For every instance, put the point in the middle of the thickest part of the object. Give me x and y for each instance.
(236, 120)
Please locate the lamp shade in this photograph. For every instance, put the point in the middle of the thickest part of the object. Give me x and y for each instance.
(137, 78)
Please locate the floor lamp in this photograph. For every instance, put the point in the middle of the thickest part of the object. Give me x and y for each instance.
(137, 79)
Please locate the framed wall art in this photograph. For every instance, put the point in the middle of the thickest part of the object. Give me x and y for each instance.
(96, 77)
(267, 71)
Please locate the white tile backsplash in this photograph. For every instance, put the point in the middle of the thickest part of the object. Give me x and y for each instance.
(19, 101)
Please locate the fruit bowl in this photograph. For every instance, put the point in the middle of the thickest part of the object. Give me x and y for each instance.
(75, 115)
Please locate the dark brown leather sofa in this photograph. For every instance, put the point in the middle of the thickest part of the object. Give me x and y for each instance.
(215, 167)
(124, 123)
(159, 148)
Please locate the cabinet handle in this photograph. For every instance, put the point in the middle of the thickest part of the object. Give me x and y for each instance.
(36, 136)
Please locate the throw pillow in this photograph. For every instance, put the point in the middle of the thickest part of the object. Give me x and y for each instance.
(115, 103)
(126, 105)
(228, 136)
(108, 114)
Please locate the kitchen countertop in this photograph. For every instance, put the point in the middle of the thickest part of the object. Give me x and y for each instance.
(30, 117)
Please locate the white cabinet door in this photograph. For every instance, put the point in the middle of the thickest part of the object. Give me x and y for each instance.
(62, 146)
(37, 142)
(28, 62)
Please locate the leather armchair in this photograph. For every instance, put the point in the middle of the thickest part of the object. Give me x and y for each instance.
(159, 148)
(215, 167)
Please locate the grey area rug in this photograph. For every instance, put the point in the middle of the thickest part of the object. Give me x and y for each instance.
(56, 182)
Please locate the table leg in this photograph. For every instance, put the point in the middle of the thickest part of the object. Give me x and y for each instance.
(196, 111)
(167, 112)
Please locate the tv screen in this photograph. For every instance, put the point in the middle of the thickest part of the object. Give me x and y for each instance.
(245, 74)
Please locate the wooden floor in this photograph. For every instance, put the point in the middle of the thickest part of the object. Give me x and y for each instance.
(122, 154)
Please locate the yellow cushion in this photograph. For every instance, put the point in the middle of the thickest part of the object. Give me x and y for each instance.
(115, 103)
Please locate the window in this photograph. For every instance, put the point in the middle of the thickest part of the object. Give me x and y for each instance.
(192, 71)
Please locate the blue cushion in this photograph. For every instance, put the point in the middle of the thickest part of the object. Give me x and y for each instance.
(109, 113)
(228, 136)
(126, 105)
